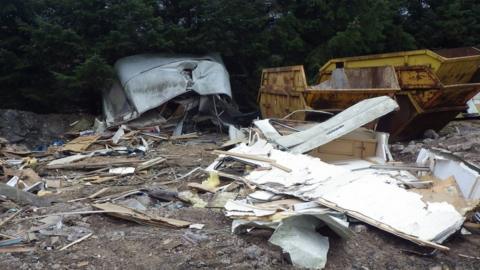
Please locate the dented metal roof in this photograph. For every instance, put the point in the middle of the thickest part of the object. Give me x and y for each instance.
(147, 81)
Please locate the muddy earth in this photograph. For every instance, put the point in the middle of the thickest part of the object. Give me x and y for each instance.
(119, 244)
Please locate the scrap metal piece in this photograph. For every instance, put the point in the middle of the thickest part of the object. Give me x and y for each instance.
(306, 247)
(147, 81)
(350, 119)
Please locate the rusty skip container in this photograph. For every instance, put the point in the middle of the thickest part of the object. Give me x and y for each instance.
(284, 90)
(435, 86)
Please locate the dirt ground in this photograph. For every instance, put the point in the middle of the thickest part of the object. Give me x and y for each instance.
(120, 244)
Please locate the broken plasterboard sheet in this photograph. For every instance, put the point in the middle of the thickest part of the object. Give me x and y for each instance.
(383, 151)
(69, 159)
(447, 190)
(122, 170)
(81, 143)
(333, 219)
(267, 129)
(444, 165)
(242, 208)
(118, 134)
(13, 182)
(402, 177)
(348, 120)
(306, 247)
(236, 134)
(373, 198)
(263, 196)
(240, 226)
(295, 232)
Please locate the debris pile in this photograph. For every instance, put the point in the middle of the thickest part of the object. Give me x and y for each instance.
(459, 137)
(95, 165)
(383, 194)
(304, 183)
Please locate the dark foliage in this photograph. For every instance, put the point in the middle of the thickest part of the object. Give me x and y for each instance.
(57, 55)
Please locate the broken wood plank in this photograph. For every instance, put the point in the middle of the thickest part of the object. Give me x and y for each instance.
(23, 198)
(253, 157)
(16, 249)
(150, 163)
(11, 217)
(7, 236)
(267, 129)
(92, 196)
(88, 166)
(66, 214)
(469, 257)
(76, 241)
(236, 178)
(120, 195)
(193, 135)
(154, 136)
(140, 217)
(104, 179)
(402, 167)
(98, 193)
(471, 225)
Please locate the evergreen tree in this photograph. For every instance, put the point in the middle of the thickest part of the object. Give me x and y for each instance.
(57, 55)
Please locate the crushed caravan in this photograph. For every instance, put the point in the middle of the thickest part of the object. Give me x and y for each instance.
(157, 89)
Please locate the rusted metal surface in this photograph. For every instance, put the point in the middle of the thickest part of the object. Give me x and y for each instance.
(452, 66)
(425, 103)
(436, 86)
(284, 90)
(335, 101)
(426, 109)
(432, 88)
(281, 92)
(417, 77)
(412, 121)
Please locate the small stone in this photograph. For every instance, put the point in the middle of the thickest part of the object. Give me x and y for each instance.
(82, 264)
(117, 235)
(225, 261)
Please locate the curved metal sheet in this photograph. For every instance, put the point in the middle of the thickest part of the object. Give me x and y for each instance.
(150, 80)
